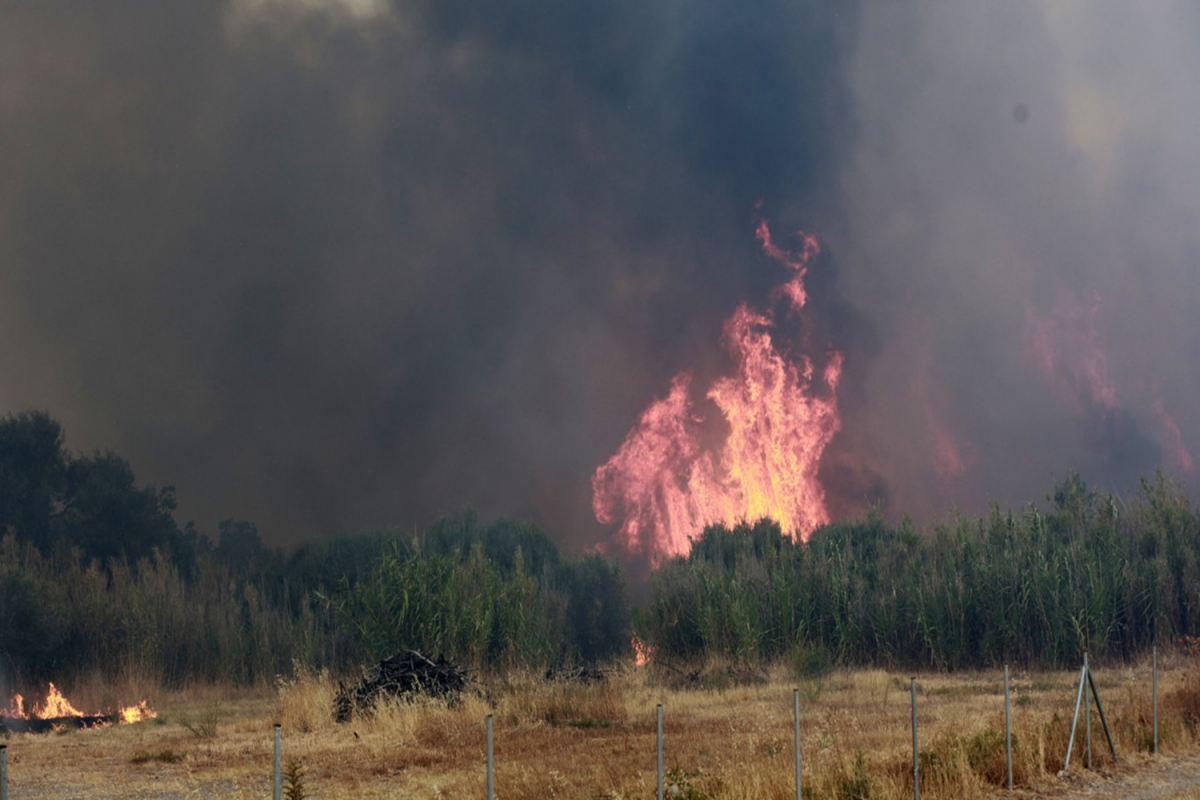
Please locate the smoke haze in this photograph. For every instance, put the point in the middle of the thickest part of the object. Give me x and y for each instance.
(338, 263)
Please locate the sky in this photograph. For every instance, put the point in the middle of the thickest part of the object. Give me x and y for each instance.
(334, 264)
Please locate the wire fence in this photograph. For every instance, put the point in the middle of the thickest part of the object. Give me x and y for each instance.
(1086, 694)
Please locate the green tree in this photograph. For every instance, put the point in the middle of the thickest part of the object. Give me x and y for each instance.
(33, 471)
(107, 516)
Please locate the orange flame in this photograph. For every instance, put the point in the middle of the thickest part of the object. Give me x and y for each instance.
(57, 706)
(663, 486)
(138, 713)
(16, 707)
(642, 652)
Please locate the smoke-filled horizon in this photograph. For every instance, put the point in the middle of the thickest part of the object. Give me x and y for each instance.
(334, 264)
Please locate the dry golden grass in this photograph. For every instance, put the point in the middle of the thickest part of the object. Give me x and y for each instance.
(565, 740)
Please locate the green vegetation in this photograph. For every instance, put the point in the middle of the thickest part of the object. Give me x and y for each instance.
(96, 577)
(1092, 573)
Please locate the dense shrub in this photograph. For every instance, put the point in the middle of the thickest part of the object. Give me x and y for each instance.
(1092, 573)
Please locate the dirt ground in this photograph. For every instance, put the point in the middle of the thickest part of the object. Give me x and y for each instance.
(554, 741)
(1164, 778)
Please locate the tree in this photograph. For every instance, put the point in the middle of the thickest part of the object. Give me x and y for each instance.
(33, 471)
(240, 548)
(107, 516)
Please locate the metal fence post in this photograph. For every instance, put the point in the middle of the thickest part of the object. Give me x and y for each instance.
(3, 772)
(1075, 719)
(491, 768)
(1103, 721)
(278, 761)
(796, 703)
(1008, 727)
(1154, 681)
(916, 753)
(1087, 710)
(660, 753)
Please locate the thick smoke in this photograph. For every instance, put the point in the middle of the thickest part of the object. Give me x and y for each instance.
(330, 264)
(338, 263)
(1018, 218)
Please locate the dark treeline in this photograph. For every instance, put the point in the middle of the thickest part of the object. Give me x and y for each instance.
(97, 577)
(471, 595)
(1092, 573)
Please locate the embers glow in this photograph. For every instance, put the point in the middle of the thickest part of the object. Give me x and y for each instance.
(663, 486)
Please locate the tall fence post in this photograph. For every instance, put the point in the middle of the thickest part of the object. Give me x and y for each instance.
(1008, 727)
(1075, 719)
(1087, 711)
(1154, 682)
(660, 752)
(1104, 722)
(916, 752)
(491, 763)
(796, 704)
(3, 772)
(278, 761)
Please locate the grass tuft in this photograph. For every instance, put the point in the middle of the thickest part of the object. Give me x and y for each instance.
(167, 756)
(203, 725)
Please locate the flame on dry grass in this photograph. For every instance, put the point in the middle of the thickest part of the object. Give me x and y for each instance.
(57, 706)
(138, 713)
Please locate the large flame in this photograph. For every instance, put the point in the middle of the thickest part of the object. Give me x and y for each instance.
(664, 486)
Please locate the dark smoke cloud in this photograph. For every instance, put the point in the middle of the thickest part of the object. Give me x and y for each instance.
(326, 264)
(335, 263)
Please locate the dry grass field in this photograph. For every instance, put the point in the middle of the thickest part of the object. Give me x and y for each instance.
(727, 739)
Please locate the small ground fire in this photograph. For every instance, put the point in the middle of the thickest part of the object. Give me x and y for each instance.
(56, 713)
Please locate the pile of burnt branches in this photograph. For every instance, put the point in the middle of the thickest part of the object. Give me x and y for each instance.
(405, 675)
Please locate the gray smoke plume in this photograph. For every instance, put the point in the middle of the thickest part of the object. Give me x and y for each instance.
(1019, 212)
(326, 264)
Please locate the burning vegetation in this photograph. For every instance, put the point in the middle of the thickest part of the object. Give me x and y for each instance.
(57, 713)
(664, 485)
